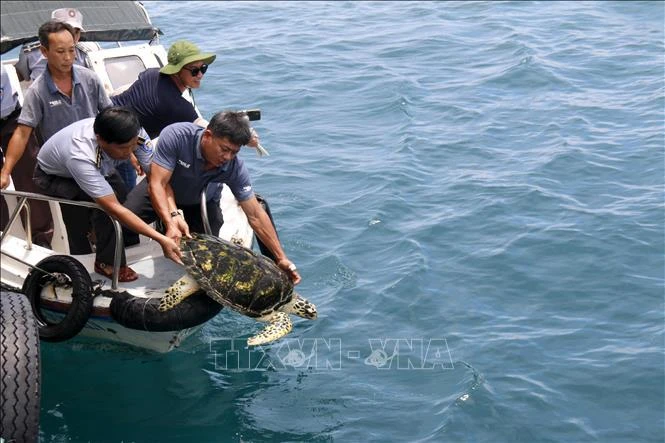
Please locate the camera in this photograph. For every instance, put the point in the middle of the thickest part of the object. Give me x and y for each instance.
(253, 114)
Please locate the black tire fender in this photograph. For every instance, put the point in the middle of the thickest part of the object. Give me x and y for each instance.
(20, 385)
(143, 313)
(82, 296)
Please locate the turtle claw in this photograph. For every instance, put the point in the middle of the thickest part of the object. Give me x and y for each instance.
(180, 290)
(301, 307)
(280, 325)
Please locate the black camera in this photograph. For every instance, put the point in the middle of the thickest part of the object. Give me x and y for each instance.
(253, 114)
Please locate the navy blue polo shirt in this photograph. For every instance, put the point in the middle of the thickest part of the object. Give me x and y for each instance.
(157, 101)
(179, 151)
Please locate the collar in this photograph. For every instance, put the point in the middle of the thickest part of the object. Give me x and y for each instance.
(103, 162)
(172, 80)
(51, 84)
(199, 136)
(99, 156)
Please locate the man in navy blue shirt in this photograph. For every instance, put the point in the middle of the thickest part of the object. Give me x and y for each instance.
(164, 96)
(32, 63)
(157, 95)
(188, 158)
(161, 97)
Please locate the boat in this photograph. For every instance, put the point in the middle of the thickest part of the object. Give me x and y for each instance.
(66, 296)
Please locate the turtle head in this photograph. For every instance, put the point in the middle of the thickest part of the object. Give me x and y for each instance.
(301, 307)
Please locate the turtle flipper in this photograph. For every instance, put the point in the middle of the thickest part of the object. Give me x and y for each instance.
(301, 307)
(180, 290)
(280, 325)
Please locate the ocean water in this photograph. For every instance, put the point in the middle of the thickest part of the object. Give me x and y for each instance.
(474, 195)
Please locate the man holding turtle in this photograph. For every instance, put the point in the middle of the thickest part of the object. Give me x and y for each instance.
(189, 158)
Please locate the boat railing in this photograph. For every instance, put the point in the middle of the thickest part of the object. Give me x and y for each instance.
(22, 204)
(204, 213)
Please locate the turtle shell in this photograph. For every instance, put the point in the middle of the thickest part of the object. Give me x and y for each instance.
(236, 276)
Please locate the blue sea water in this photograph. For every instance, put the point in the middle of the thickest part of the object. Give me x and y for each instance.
(474, 195)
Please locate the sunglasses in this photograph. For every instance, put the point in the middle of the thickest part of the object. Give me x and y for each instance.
(195, 71)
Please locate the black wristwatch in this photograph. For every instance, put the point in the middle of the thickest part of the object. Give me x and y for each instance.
(176, 213)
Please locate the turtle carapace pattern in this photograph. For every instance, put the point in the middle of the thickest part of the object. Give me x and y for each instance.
(242, 280)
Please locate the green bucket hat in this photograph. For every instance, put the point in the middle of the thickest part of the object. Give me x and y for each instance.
(183, 52)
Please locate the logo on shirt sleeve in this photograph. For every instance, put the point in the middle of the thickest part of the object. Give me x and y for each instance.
(145, 145)
(183, 164)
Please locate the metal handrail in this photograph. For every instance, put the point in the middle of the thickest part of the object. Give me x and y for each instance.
(22, 204)
(204, 213)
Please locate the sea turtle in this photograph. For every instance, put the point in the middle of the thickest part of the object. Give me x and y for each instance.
(241, 279)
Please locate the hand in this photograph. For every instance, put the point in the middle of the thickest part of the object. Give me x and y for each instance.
(177, 228)
(254, 141)
(136, 164)
(287, 266)
(171, 250)
(4, 179)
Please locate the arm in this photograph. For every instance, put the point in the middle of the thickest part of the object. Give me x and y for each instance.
(143, 154)
(112, 206)
(135, 164)
(260, 223)
(255, 142)
(15, 150)
(163, 200)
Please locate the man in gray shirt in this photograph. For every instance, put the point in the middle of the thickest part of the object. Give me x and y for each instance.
(63, 94)
(78, 163)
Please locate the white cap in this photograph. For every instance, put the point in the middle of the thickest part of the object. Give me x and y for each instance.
(71, 16)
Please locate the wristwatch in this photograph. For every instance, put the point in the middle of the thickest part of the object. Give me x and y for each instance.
(176, 213)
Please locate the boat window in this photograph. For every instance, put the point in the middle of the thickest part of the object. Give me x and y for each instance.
(124, 70)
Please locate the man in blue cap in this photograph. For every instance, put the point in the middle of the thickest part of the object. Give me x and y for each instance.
(31, 63)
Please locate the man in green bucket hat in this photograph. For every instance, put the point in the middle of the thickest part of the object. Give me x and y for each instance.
(164, 96)
(159, 95)
(158, 98)
(182, 53)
